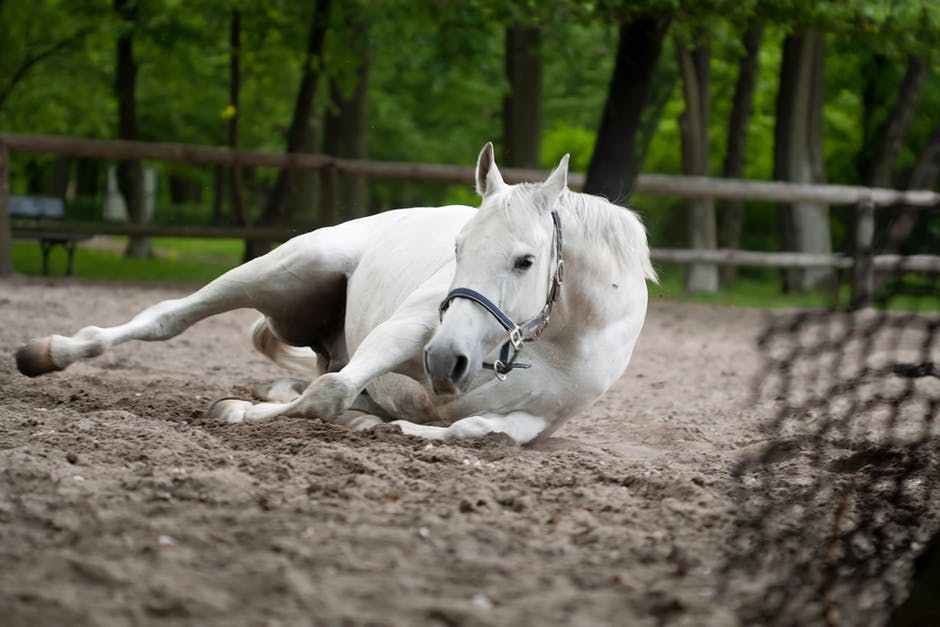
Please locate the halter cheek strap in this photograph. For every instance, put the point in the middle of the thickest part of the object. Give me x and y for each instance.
(517, 334)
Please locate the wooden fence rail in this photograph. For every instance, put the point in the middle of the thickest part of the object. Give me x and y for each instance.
(51, 227)
(866, 199)
(728, 257)
(652, 184)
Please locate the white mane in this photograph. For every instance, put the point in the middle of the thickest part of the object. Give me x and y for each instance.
(599, 220)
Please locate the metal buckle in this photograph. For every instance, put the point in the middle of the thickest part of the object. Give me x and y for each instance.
(546, 318)
(498, 370)
(515, 336)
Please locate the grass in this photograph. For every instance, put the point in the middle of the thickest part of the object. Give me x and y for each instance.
(761, 288)
(748, 291)
(175, 260)
(184, 260)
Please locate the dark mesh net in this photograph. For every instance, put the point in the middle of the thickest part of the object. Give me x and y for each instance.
(843, 497)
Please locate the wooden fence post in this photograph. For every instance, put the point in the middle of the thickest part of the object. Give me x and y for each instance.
(863, 272)
(6, 236)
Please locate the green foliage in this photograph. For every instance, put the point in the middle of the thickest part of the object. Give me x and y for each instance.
(578, 62)
(85, 209)
(437, 76)
(461, 195)
(168, 214)
(442, 99)
(437, 84)
(578, 141)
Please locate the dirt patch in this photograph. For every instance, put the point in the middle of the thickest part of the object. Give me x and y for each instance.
(120, 503)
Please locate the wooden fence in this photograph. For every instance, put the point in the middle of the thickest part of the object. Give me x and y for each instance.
(866, 200)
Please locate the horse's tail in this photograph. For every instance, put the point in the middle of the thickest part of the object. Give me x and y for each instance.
(294, 358)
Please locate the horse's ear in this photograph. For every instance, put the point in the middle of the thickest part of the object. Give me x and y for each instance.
(556, 183)
(489, 180)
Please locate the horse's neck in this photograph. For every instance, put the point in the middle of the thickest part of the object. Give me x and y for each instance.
(598, 285)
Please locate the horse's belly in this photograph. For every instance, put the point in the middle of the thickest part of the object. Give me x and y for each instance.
(397, 262)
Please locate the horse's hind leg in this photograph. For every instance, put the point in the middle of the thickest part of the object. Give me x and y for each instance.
(301, 275)
(158, 322)
(397, 340)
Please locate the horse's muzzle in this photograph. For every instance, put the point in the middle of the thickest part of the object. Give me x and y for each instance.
(449, 367)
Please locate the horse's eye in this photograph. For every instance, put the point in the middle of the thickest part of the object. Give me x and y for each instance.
(524, 262)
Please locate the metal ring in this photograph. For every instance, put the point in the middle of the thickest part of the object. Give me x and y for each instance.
(515, 336)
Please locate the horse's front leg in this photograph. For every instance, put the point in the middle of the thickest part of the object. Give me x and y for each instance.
(389, 345)
(520, 426)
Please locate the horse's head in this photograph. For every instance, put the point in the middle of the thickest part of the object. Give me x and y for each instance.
(505, 253)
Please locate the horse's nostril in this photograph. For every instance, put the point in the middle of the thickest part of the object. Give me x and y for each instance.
(460, 368)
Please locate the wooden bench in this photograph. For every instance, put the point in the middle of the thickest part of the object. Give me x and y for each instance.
(44, 208)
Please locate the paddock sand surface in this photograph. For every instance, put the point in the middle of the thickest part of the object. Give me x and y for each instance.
(120, 503)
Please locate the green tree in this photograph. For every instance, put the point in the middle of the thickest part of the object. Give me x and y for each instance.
(33, 33)
(300, 134)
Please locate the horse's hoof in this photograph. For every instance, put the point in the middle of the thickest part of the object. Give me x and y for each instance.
(328, 397)
(358, 421)
(229, 410)
(280, 391)
(35, 358)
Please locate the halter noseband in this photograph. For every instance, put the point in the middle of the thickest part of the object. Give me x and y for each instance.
(517, 334)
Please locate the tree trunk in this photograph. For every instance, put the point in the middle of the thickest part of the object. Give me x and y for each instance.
(61, 177)
(731, 216)
(330, 202)
(927, 166)
(28, 63)
(302, 192)
(696, 77)
(881, 148)
(798, 152)
(185, 190)
(218, 194)
(345, 132)
(522, 106)
(236, 186)
(6, 234)
(88, 177)
(881, 153)
(923, 176)
(130, 174)
(614, 162)
(300, 133)
(664, 83)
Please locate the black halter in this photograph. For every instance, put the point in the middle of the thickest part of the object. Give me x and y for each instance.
(517, 334)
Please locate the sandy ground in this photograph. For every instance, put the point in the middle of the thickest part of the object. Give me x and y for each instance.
(120, 503)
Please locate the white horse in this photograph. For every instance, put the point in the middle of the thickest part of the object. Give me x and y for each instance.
(357, 309)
